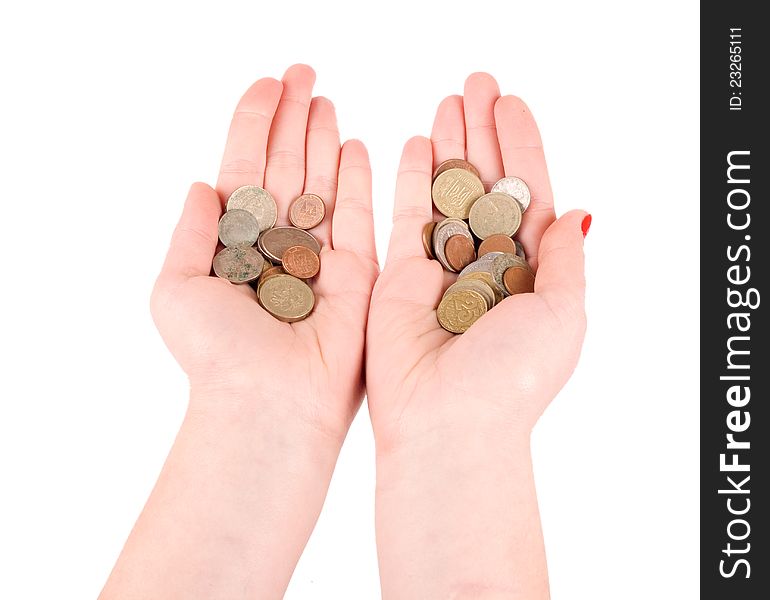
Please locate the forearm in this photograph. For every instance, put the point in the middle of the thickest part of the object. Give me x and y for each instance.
(232, 509)
(460, 520)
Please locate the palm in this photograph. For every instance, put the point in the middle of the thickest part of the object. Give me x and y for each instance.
(517, 355)
(217, 330)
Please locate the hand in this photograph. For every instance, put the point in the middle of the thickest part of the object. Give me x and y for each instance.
(452, 414)
(270, 402)
(311, 370)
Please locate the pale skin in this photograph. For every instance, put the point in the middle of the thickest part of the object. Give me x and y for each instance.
(246, 478)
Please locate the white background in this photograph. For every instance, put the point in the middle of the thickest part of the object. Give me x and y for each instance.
(110, 111)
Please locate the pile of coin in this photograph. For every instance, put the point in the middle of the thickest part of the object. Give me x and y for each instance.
(476, 241)
(283, 258)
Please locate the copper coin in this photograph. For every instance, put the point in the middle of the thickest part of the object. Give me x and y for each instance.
(519, 280)
(274, 242)
(427, 239)
(459, 252)
(455, 163)
(301, 262)
(307, 211)
(497, 243)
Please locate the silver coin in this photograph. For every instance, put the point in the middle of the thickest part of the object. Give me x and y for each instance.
(258, 201)
(238, 265)
(484, 265)
(502, 263)
(442, 232)
(274, 242)
(495, 213)
(516, 187)
(238, 228)
(520, 249)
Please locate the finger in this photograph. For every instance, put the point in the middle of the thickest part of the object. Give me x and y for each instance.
(323, 161)
(352, 220)
(285, 170)
(244, 160)
(195, 238)
(448, 135)
(560, 279)
(481, 92)
(413, 206)
(523, 157)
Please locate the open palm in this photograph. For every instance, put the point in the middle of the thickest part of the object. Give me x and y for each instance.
(287, 142)
(496, 378)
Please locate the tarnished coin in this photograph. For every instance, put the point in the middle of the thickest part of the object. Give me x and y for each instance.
(258, 201)
(301, 262)
(274, 242)
(307, 211)
(519, 280)
(458, 310)
(454, 192)
(239, 264)
(497, 243)
(520, 249)
(286, 298)
(486, 278)
(495, 213)
(459, 252)
(427, 239)
(455, 163)
(238, 228)
(442, 232)
(504, 262)
(515, 187)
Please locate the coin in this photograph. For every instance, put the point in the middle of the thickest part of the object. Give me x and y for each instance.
(495, 213)
(476, 285)
(286, 298)
(238, 228)
(301, 262)
(274, 242)
(259, 202)
(427, 239)
(497, 243)
(458, 310)
(454, 192)
(519, 280)
(502, 263)
(486, 278)
(239, 264)
(455, 163)
(516, 188)
(442, 232)
(307, 211)
(459, 251)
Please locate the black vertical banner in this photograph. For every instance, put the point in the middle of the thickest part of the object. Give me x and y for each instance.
(735, 261)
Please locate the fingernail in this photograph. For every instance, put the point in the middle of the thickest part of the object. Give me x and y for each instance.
(586, 225)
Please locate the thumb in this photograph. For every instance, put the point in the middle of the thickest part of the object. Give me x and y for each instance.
(560, 276)
(195, 238)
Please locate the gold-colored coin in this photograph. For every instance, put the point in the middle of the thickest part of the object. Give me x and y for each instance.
(454, 192)
(495, 213)
(486, 278)
(477, 286)
(287, 298)
(455, 163)
(459, 310)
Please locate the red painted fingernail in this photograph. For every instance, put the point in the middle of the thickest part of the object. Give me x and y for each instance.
(586, 225)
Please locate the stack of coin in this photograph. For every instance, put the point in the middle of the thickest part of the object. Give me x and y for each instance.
(476, 241)
(283, 258)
